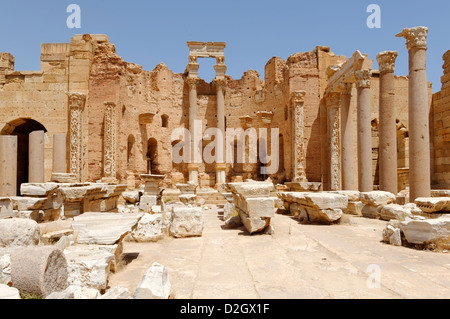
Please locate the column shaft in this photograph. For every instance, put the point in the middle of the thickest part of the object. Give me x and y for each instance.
(36, 168)
(348, 143)
(59, 153)
(364, 128)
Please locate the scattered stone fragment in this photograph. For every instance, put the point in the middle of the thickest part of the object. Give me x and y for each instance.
(5, 269)
(116, 292)
(149, 228)
(231, 215)
(427, 231)
(17, 232)
(75, 292)
(433, 204)
(38, 270)
(7, 292)
(186, 222)
(132, 197)
(155, 284)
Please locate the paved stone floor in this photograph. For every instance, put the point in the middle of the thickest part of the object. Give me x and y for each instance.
(296, 262)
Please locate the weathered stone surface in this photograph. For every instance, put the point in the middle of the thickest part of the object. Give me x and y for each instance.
(231, 215)
(38, 203)
(352, 196)
(392, 235)
(257, 207)
(116, 292)
(186, 222)
(395, 211)
(88, 266)
(371, 211)
(354, 208)
(132, 197)
(75, 292)
(376, 198)
(104, 228)
(433, 204)
(252, 189)
(6, 207)
(18, 232)
(149, 228)
(155, 284)
(38, 189)
(52, 238)
(253, 225)
(39, 270)
(188, 199)
(7, 292)
(427, 231)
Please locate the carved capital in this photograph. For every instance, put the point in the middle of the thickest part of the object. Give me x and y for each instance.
(346, 88)
(333, 100)
(363, 78)
(386, 61)
(298, 97)
(415, 37)
(220, 83)
(76, 100)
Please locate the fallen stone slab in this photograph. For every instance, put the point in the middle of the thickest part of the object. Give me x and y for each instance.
(88, 266)
(433, 204)
(427, 231)
(155, 284)
(38, 189)
(251, 189)
(231, 215)
(352, 196)
(253, 225)
(259, 207)
(6, 207)
(186, 222)
(7, 292)
(75, 292)
(104, 228)
(377, 198)
(17, 232)
(395, 211)
(38, 270)
(149, 228)
(132, 197)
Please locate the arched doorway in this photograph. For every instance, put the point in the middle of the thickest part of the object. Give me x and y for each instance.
(22, 128)
(152, 156)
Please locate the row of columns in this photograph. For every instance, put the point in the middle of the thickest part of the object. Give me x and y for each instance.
(419, 152)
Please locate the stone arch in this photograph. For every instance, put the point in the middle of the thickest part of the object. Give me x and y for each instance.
(22, 127)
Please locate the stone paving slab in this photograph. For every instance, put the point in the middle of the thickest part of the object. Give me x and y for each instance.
(297, 262)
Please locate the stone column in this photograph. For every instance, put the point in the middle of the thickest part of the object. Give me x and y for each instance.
(8, 165)
(364, 128)
(388, 126)
(192, 82)
(298, 165)
(36, 168)
(59, 153)
(348, 143)
(418, 114)
(109, 144)
(76, 106)
(333, 102)
(220, 145)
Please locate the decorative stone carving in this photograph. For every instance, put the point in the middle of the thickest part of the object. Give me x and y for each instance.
(363, 78)
(297, 100)
(333, 103)
(415, 37)
(76, 106)
(109, 152)
(386, 61)
(220, 83)
(192, 82)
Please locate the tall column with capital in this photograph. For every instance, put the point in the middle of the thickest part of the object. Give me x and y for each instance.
(297, 100)
(364, 128)
(388, 127)
(192, 81)
(418, 117)
(76, 106)
(109, 144)
(333, 102)
(8, 165)
(348, 143)
(220, 82)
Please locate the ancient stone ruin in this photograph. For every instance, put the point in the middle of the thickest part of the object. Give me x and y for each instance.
(96, 152)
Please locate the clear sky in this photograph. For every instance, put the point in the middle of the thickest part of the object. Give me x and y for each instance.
(151, 32)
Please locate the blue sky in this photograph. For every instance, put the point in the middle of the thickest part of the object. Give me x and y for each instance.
(150, 32)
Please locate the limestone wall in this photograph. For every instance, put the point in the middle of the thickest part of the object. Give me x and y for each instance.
(440, 120)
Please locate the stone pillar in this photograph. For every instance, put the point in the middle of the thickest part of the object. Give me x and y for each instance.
(220, 145)
(348, 143)
(192, 82)
(364, 127)
(388, 126)
(59, 153)
(418, 113)
(109, 144)
(298, 165)
(8, 165)
(36, 168)
(76, 106)
(333, 102)
(152, 192)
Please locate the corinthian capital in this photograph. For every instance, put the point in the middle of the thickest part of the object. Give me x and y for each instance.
(386, 61)
(298, 97)
(220, 83)
(76, 100)
(415, 37)
(192, 82)
(363, 78)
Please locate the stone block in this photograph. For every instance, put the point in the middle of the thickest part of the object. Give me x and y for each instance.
(231, 215)
(155, 284)
(252, 189)
(17, 232)
(38, 270)
(7, 292)
(253, 225)
(38, 189)
(6, 207)
(186, 222)
(427, 231)
(394, 211)
(149, 228)
(259, 207)
(376, 198)
(433, 204)
(147, 201)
